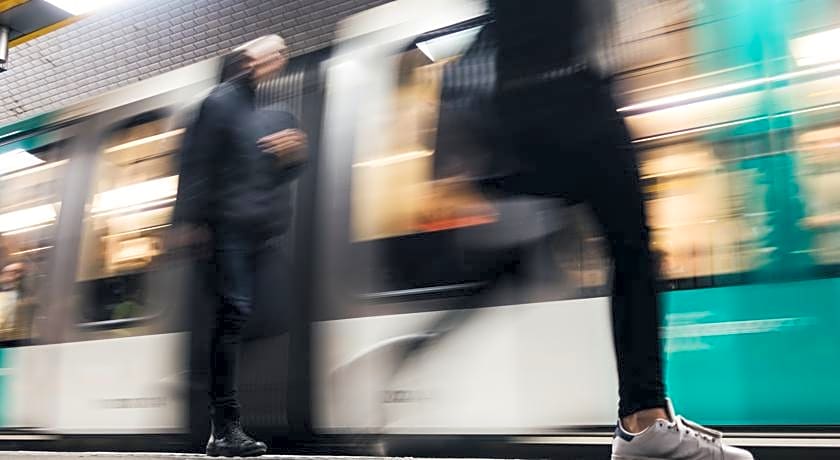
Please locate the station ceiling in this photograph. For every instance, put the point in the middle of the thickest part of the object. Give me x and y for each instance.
(29, 19)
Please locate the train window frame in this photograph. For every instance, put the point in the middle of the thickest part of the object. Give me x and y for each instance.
(754, 274)
(380, 245)
(57, 139)
(172, 120)
(368, 286)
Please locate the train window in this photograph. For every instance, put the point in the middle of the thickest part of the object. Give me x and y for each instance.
(393, 189)
(413, 211)
(30, 200)
(131, 206)
(819, 155)
(698, 211)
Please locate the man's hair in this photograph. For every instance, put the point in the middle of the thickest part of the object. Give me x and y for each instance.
(233, 63)
(261, 46)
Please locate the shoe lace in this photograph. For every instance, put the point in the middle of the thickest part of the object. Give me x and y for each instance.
(240, 434)
(689, 428)
(233, 432)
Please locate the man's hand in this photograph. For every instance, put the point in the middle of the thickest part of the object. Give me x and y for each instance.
(288, 145)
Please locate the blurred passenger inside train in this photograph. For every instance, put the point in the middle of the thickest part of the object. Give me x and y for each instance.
(238, 162)
(17, 302)
(569, 142)
(21, 274)
(11, 277)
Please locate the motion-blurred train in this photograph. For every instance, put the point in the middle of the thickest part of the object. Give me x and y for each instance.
(401, 323)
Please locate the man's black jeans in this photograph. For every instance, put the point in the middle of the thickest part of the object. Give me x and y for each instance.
(242, 262)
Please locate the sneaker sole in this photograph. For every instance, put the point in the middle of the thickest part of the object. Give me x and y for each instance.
(625, 457)
(247, 453)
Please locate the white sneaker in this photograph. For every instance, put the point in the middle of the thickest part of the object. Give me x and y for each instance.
(678, 439)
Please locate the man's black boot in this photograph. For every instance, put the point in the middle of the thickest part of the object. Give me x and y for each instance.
(227, 439)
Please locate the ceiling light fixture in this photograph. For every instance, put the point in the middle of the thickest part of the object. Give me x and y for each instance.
(17, 159)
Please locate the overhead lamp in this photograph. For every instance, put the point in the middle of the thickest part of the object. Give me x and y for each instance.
(817, 48)
(78, 7)
(449, 45)
(4, 46)
(15, 221)
(692, 96)
(33, 170)
(394, 159)
(17, 159)
(144, 140)
(735, 123)
(136, 196)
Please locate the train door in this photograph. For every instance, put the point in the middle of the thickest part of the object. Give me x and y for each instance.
(125, 358)
(419, 330)
(36, 200)
(124, 347)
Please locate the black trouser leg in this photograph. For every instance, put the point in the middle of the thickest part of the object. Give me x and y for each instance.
(572, 144)
(224, 362)
(618, 205)
(235, 266)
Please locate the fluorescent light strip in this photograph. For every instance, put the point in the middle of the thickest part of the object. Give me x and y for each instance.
(24, 218)
(734, 123)
(27, 437)
(424, 47)
(34, 170)
(686, 79)
(78, 7)
(393, 159)
(26, 229)
(812, 109)
(703, 93)
(131, 196)
(144, 140)
(698, 130)
(17, 159)
(10, 134)
(138, 231)
(448, 45)
(817, 48)
(678, 172)
(30, 251)
(137, 207)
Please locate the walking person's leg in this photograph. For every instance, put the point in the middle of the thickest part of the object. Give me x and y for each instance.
(648, 428)
(573, 144)
(613, 191)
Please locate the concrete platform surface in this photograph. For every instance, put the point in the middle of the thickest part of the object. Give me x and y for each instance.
(44, 455)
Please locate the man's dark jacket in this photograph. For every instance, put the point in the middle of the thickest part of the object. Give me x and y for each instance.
(225, 179)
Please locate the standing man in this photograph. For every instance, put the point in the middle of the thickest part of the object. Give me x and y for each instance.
(237, 165)
(569, 141)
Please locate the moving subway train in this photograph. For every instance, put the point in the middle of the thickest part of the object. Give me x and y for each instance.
(388, 324)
